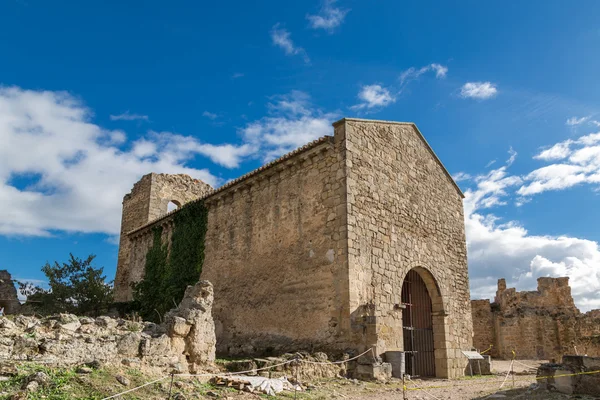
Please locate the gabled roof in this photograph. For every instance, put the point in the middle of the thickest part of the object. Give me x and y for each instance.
(420, 135)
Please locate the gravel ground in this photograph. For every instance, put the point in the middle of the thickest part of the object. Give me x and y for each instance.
(487, 387)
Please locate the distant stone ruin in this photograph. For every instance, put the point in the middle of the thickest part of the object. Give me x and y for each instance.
(185, 343)
(542, 324)
(9, 299)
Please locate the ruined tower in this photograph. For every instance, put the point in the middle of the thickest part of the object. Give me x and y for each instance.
(148, 200)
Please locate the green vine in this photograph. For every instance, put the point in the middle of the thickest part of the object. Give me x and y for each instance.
(168, 273)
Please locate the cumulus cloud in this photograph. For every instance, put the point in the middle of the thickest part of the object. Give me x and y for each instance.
(373, 96)
(576, 121)
(329, 17)
(574, 162)
(77, 172)
(282, 38)
(478, 90)
(414, 73)
(292, 122)
(505, 249)
(126, 116)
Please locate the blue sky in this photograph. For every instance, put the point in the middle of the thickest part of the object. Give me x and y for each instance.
(95, 94)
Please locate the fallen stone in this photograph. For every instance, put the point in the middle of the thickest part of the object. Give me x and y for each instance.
(32, 386)
(84, 370)
(122, 380)
(106, 322)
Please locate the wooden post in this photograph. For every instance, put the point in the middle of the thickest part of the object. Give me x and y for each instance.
(404, 394)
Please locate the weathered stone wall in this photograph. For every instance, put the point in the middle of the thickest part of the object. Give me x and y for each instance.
(186, 342)
(542, 324)
(310, 251)
(404, 212)
(9, 299)
(275, 250)
(483, 332)
(147, 201)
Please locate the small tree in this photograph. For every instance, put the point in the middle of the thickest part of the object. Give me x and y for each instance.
(75, 287)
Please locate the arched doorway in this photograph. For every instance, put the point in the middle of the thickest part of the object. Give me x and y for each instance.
(417, 326)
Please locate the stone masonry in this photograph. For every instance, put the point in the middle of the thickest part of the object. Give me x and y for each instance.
(542, 324)
(148, 201)
(9, 299)
(310, 251)
(185, 342)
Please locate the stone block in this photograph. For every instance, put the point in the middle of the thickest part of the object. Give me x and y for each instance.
(379, 372)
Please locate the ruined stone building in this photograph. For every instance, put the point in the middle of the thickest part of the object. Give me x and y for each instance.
(353, 241)
(9, 299)
(542, 324)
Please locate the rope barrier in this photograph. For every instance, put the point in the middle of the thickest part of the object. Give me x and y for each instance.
(136, 388)
(236, 373)
(420, 388)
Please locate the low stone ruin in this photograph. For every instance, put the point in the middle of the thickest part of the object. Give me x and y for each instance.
(576, 375)
(184, 343)
(8, 294)
(542, 324)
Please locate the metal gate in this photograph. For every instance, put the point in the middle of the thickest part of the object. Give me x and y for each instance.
(417, 324)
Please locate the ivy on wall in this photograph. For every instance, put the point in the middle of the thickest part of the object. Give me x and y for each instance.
(168, 273)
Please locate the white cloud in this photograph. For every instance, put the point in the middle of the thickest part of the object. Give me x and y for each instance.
(373, 96)
(293, 122)
(506, 249)
(77, 175)
(478, 90)
(237, 75)
(413, 73)
(576, 121)
(126, 116)
(594, 122)
(576, 162)
(78, 172)
(282, 38)
(328, 18)
(210, 115)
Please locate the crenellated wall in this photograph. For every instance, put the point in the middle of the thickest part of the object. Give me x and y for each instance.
(542, 324)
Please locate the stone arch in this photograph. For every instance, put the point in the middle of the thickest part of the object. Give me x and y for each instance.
(438, 318)
(173, 205)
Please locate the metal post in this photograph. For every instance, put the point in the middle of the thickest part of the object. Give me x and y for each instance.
(404, 394)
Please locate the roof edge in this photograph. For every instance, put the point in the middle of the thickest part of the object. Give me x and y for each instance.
(437, 159)
(234, 182)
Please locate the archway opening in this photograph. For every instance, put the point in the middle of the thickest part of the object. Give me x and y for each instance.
(173, 205)
(417, 326)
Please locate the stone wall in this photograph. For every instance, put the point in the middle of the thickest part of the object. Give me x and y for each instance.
(186, 342)
(147, 201)
(404, 212)
(9, 299)
(542, 324)
(310, 251)
(275, 250)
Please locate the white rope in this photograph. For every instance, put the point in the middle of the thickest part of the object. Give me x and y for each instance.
(336, 362)
(505, 378)
(236, 373)
(420, 388)
(240, 372)
(525, 365)
(136, 388)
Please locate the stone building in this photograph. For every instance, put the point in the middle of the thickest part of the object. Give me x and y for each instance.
(351, 242)
(542, 324)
